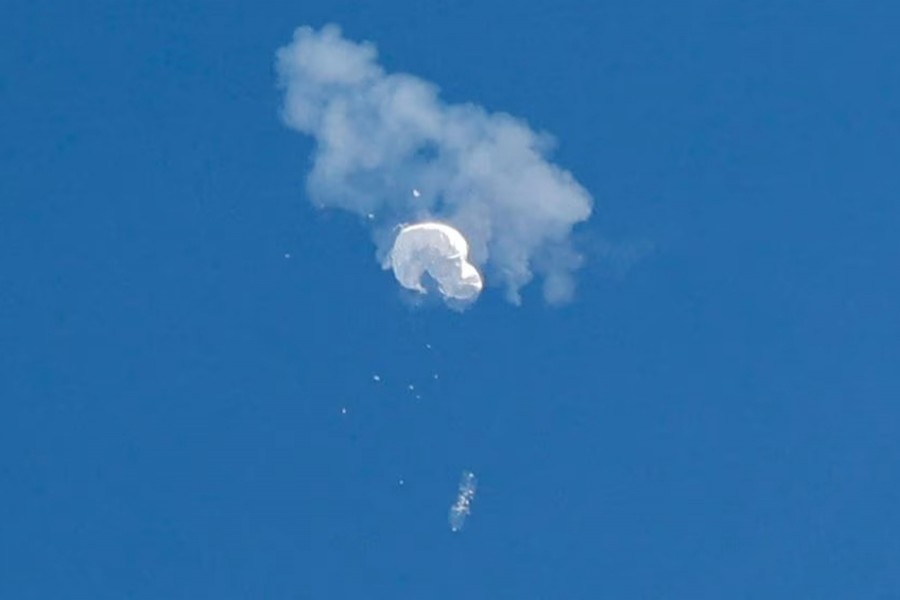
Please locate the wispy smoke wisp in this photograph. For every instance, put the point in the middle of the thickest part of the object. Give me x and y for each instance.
(380, 135)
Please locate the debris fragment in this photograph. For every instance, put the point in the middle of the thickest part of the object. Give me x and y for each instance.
(463, 505)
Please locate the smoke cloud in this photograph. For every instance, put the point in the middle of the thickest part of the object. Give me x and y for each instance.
(380, 135)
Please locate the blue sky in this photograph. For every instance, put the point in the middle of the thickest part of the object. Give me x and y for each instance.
(715, 414)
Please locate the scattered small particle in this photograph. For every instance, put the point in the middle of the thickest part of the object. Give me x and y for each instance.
(370, 216)
(343, 411)
(416, 193)
(435, 375)
(376, 377)
(401, 482)
(287, 254)
(418, 396)
(412, 387)
(428, 346)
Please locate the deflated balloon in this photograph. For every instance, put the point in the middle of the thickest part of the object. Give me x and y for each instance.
(440, 251)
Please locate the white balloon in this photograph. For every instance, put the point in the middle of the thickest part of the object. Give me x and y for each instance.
(440, 251)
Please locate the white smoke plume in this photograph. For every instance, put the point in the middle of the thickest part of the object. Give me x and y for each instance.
(380, 135)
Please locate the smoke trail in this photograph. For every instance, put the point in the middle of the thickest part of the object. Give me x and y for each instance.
(380, 135)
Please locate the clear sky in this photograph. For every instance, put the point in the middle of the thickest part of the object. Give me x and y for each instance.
(185, 412)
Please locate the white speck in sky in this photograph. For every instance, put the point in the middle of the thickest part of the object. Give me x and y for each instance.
(416, 193)
(344, 410)
(376, 377)
(287, 254)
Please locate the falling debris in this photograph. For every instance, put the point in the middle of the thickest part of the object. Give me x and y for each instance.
(287, 254)
(463, 505)
(435, 375)
(428, 346)
(401, 482)
(416, 193)
(344, 411)
(376, 377)
(411, 387)
(440, 251)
